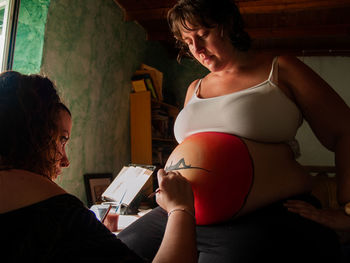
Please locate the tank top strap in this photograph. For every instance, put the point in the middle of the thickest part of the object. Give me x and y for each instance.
(273, 77)
(196, 89)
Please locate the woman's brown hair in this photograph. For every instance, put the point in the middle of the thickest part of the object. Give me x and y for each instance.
(208, 14)
(29, 110)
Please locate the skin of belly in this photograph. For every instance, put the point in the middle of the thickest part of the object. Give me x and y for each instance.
(277, 175)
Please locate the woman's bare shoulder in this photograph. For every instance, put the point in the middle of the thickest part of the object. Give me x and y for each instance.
(22, 188)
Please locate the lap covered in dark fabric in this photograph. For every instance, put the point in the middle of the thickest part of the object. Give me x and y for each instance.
(271, 234)
(220, 170)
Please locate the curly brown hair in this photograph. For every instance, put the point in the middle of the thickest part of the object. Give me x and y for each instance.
(29, 110)
(208, 14)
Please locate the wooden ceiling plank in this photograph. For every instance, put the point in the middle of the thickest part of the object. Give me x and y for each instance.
(161, 13)
(131, 5)
(332, 31)
(305, 31)
(289, 25)
(142, 14)
(285, 6)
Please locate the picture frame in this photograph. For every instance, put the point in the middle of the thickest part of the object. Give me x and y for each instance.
(95, 185)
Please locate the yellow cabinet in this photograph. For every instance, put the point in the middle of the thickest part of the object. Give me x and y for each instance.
(151, 129)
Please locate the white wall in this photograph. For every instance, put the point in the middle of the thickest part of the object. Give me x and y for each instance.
(336, 71)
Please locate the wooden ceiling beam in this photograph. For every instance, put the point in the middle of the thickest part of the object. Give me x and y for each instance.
(146, 15)
(307, 52)
(145, 4)
(301, 31)
(247, 7)
(285, 6)
(286, 32)
(322, 26)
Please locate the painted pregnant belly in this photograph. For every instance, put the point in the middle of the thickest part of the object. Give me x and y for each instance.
(220, 170)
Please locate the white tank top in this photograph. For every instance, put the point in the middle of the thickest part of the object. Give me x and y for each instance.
(262, 113)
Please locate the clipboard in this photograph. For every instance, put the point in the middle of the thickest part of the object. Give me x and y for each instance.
(128, 184)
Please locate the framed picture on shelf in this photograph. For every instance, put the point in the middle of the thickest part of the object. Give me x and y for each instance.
(95, 185)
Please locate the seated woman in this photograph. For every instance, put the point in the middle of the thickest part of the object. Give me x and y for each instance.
(40, 221)
(255, 102)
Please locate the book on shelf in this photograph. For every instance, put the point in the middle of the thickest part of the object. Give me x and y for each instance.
(138, 85)
(145, 80)
(150, 87)
(157, 79)
(128, 184)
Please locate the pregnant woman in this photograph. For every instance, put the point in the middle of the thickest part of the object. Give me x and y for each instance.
(237, 145)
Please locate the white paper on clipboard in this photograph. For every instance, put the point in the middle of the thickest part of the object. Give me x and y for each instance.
(127, 184)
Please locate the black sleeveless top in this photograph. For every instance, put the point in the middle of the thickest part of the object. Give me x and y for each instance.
(59, 229)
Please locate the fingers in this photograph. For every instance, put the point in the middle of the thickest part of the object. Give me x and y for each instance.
(161, 173)
(164, 177)
(297, 204)
(333, 218)
(308, 211)
(302, 208)
(175, 190)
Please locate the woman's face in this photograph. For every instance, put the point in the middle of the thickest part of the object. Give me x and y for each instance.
(64, 127)
(209, 46)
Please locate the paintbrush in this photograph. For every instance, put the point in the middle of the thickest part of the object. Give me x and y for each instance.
(154, 193)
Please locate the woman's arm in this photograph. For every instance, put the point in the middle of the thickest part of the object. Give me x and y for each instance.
(179, 243)
(176, 197)
(342, 162)
(325, 111)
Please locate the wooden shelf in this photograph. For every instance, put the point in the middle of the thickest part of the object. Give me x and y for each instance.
(164, 140)
(151, 129)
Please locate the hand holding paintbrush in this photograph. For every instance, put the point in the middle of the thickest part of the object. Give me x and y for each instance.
(174, 192)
